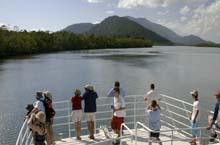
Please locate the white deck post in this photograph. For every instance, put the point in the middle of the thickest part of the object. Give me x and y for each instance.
(69, 118)
(135, 108)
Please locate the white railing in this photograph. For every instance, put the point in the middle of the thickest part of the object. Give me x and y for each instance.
(171, 140)
(174, 114)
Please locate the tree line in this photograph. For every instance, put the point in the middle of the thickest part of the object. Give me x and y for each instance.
(13, 43)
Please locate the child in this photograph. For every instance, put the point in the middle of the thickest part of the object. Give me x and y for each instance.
(153, 111)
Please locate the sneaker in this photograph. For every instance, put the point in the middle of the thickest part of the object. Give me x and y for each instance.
(116, 142)
(213, 137)
(91, 137)
(78, 138)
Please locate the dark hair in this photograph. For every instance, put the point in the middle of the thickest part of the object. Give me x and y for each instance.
(117, 84)
(152, 86)
(153, 103)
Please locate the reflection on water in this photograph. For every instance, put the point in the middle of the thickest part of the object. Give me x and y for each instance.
(174, 70)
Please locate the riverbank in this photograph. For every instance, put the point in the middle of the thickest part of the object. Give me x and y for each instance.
(27, 43)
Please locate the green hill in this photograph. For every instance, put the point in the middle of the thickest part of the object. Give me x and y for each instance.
(122, 26)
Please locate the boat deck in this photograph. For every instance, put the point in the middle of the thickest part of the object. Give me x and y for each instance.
(142, 139)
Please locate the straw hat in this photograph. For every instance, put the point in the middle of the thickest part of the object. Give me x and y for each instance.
(77, 92)
(89, 87)
(48, 95)
(40, 116)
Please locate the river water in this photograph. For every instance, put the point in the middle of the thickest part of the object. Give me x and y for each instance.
(175, 70)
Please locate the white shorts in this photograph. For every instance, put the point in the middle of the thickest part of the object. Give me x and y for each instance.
(90, 116)
(77, 115)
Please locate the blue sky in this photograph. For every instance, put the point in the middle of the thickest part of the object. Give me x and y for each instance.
(198, 17)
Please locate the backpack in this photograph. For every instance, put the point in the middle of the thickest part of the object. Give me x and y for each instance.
(49, 111)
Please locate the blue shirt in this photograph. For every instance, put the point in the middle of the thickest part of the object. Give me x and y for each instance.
(89, 98)
(111, 92)
(154, 119)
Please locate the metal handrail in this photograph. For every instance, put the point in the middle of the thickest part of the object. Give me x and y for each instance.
(163, 131)
(135, 109)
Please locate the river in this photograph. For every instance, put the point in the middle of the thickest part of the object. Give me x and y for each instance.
(174, 69)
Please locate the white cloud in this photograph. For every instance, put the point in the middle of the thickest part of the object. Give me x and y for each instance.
(2, 23)
(163, 13)
(182, 19)
(185, 10)
(144, 3)
(203, 21)
(110, 12)
(95, 1)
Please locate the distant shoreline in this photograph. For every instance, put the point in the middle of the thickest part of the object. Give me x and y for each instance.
(25, 43)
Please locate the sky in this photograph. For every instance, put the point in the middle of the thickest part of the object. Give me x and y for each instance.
(185, 17)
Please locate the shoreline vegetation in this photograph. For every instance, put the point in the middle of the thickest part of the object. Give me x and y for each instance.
(13, 43)
(208, 45)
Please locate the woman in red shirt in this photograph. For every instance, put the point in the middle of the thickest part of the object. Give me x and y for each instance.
(77, 112)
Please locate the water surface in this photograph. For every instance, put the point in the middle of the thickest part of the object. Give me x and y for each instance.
(175, 71)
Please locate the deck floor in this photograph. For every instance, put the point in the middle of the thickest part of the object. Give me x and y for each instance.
(141, 139)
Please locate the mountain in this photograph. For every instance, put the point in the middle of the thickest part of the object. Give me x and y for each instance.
(79, 28)
(122, 26)
(167, 33)
(193, 40)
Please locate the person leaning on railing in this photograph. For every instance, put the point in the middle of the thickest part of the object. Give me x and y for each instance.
(37, 123)
(89, 98)
(77, 112)
(116, 85)
(215, 118)
(152, 94)
(153, 113)
(50, 113)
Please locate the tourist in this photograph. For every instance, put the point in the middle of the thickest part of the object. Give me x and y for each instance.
(37, 123)
(111, 91)
(214, 119)
(194, 116)
(50, 113)
(77, 112)
(89, 98)
(39, 104)
(119, 113)
(153, 112)
(151, 95)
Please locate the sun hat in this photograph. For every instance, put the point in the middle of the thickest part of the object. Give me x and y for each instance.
(40, 116)
(194, 93)
(77, 92)
(48, 95)
(217, 93)
(89, 87)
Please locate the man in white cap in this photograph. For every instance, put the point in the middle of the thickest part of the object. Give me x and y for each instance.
(194, 117)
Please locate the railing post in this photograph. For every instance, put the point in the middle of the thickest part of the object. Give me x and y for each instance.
(172, 138)
(136, 124)
(135, 108)
(69, 118)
